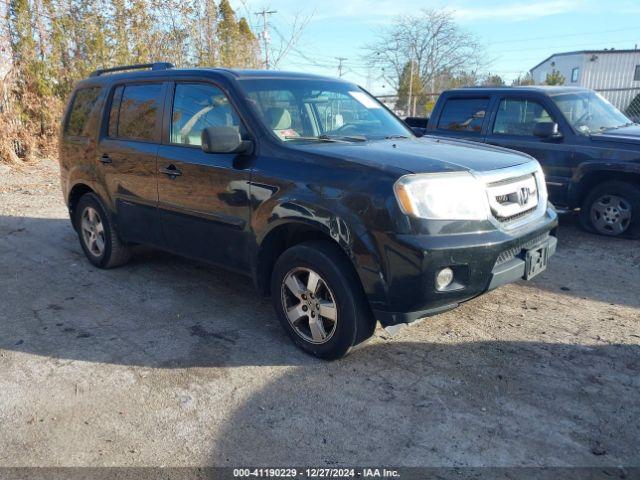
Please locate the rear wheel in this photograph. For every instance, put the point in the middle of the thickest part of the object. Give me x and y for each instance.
(613, 209)
(319, 300)
(98, 237)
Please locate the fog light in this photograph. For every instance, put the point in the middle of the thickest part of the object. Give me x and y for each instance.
(444, 278)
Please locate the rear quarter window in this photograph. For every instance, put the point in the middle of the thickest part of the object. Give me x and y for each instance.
(463, 114)
(80, 121)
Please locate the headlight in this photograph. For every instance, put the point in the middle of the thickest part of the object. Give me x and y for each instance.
(442, 196)
(543, 195)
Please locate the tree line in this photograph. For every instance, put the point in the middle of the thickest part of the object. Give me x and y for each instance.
(46, 46)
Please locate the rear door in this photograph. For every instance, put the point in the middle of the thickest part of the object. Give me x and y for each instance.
(463, 117)
(127, 158)
(512, 125)
(203, 197)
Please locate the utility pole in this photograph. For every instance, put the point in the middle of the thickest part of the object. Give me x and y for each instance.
(265, 34)
(340, 60)
(409, 103)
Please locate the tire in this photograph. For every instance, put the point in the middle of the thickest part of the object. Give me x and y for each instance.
(337, 284)
(102, 246)
(612, 209)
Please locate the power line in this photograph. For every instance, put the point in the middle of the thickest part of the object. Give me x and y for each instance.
(562, 36)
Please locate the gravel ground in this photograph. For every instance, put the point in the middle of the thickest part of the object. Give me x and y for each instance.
(168, 362)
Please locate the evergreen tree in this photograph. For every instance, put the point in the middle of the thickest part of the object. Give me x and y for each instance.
(554, 78)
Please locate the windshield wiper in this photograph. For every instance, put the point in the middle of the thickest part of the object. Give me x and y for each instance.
(349, 138)
(618, 126)
(333, 138)
(320, 138)
(391, 137)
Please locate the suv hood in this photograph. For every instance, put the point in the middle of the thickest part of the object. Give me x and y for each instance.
(423, 155)
(628, 134)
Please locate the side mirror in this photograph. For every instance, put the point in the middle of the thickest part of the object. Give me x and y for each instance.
(419, 131)
(224, 140)
(546, 130)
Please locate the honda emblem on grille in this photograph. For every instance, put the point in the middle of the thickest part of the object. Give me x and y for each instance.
(523, 196)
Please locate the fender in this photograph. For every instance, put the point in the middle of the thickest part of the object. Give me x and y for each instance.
(586, 169)
(339, 224)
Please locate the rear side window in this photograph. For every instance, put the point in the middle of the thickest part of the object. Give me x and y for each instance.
(84, 102)
(463, 114)
(138, 112)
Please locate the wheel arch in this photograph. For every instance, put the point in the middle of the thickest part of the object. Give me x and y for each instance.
(592, 176)
(359, 250)
(75, 194)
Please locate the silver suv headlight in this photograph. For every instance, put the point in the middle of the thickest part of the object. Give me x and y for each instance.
(442, 196)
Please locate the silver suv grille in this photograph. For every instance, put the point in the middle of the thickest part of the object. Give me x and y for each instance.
(513, 198)
(517, 195)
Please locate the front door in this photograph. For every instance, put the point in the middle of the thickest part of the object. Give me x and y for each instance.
(127, 159)
(203, 197)
(513, 126)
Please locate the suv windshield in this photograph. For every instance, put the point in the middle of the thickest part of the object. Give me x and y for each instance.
(320, 110)
(589, 113)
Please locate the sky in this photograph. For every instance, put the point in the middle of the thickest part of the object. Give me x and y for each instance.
(516, 35)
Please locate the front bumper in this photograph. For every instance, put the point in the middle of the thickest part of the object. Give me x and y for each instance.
(481, 261)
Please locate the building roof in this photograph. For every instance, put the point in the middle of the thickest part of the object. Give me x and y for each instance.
(579, 52)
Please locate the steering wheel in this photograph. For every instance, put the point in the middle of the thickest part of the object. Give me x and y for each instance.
(583, 118)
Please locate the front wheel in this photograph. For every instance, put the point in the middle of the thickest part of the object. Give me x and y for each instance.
(613, 209)
(319, 300)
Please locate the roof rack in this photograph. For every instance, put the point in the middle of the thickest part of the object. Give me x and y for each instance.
(152, 66)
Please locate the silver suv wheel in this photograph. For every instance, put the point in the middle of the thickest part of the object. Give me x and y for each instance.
(93, 231)
(309, 305)
(611, 214)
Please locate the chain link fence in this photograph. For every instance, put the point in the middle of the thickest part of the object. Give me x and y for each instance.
(627, 100)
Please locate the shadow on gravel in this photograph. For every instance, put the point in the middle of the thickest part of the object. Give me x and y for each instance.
(591, 266)
(159, 311)
(473, 404)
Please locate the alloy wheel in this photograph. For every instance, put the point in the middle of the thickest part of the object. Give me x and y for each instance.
(309, 305)
(93, 231)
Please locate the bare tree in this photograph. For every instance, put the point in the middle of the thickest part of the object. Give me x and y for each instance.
(284, 41)
(432, 40)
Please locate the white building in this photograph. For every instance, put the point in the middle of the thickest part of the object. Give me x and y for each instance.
(613, 73)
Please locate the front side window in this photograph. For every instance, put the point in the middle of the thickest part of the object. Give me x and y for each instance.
(636, 75)
(196, 107)
(588, 112)
(138, 112)
(463, 114)
(519, 117)
(310, 109)
(85, 101)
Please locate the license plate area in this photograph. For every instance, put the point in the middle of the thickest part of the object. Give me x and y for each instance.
(536, 261)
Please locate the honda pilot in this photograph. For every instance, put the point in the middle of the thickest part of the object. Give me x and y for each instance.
(306, 184)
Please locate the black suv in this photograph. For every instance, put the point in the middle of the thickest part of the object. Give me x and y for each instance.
(307, 184)
(590, 151)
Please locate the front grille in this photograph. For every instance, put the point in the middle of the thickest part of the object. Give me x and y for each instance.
(513, 198)
(516, 216)
(512, 252)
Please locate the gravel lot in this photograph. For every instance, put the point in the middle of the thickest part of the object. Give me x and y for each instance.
(168, 362)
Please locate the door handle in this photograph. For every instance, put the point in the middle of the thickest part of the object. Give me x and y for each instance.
(171, 171)
(105, 158)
